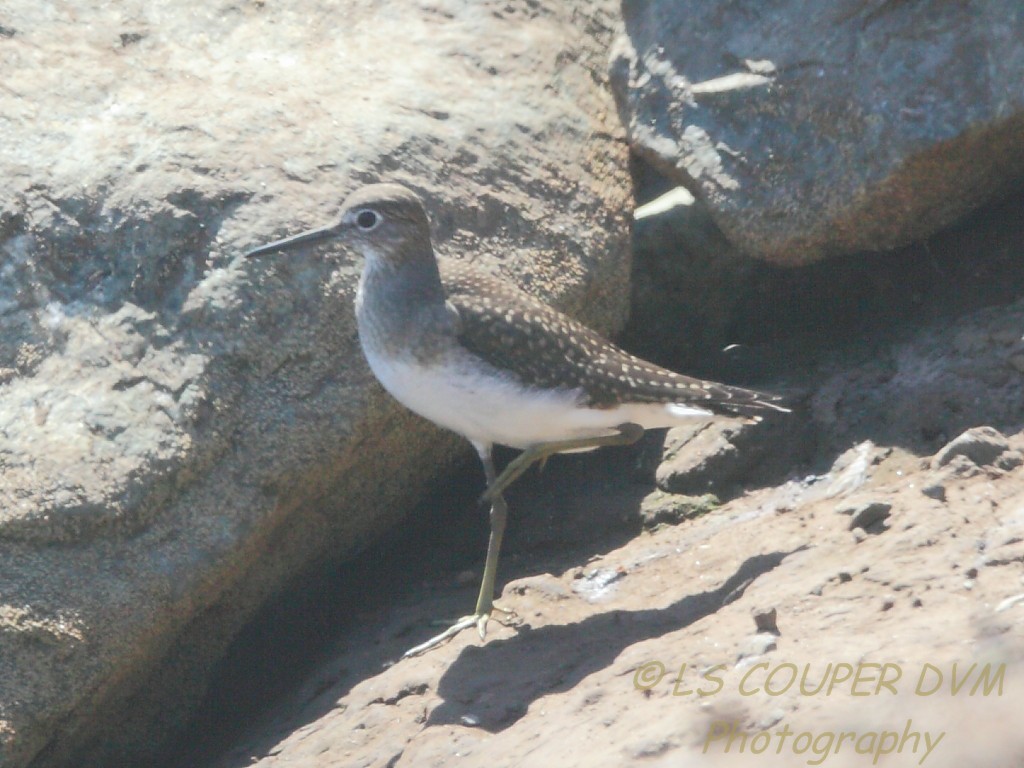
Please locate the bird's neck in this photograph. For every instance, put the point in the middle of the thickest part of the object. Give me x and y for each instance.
(410, 278)
(396, 295)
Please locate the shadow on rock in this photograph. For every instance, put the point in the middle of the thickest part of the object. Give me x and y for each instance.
(494, 685)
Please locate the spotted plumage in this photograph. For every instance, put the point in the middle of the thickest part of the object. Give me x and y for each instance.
(483, 359)
(477, 355)
(544, 348)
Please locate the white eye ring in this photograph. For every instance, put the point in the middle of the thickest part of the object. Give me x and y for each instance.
(367, 220)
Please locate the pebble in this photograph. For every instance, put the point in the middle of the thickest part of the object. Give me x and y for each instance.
(865, 514)
(764, 619)
(981, 445)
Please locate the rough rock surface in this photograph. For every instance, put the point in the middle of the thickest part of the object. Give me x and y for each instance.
(818, 129)
(854, 642)
(181, 432)
(721, 456)
(982, 446)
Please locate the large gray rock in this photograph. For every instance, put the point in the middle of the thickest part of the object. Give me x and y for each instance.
(814, 129)
(181, 431)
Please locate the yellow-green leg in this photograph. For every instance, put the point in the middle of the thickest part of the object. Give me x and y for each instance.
(626, 434)
(485, 600)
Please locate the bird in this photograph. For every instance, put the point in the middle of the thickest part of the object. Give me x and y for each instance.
(476, 355)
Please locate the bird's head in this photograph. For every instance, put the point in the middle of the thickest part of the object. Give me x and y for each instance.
(386, 223)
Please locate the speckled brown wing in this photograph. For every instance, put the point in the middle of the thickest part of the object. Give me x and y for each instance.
(543, 348)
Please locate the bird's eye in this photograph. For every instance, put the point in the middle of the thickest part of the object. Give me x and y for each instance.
(367, 220)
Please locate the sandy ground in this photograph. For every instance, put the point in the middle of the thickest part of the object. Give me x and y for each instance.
(857, 598)
(895, 644)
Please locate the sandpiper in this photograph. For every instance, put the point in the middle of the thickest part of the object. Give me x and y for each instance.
(476, 355)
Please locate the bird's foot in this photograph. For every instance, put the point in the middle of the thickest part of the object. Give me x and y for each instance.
(478, 620)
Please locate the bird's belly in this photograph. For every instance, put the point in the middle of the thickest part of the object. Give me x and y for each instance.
(487, 408)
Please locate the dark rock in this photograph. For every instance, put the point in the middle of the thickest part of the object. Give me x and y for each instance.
(765, 619)
(699, 458)
(718, 456)
(754, 109)
(866, 514)
(983, 446)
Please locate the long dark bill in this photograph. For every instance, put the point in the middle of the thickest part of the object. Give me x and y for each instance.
(304, 238)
